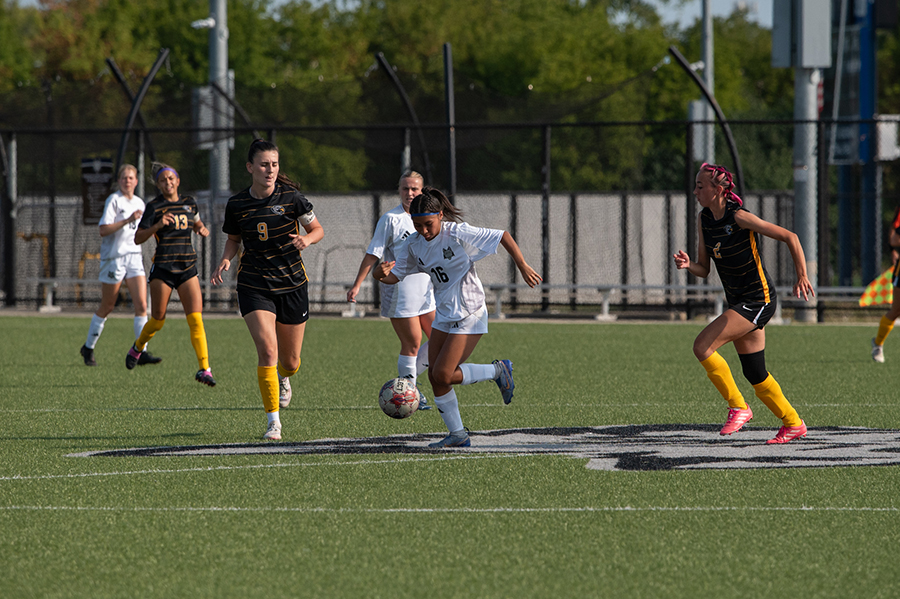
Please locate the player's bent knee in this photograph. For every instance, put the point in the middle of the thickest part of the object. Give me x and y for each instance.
(754, 367)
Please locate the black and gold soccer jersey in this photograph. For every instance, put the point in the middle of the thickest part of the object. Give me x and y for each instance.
(269, 261)
(737, 256)
(174, 251)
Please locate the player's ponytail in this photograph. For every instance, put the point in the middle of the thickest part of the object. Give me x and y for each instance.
(722, 178)
(262, 145)
(431, 201)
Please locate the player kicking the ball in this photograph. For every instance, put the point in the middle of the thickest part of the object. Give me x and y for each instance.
(447, 249)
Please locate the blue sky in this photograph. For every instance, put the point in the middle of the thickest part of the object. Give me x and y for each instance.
(685, 14)
(760, 11)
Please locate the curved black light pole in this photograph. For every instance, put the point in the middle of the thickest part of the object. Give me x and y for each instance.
(379, 56)
(140, 117)
(136, 105)
(739, 172)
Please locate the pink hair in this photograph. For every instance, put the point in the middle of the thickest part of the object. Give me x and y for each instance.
(722, 178)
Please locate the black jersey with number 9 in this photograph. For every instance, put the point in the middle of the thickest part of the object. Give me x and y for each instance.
(269, 261)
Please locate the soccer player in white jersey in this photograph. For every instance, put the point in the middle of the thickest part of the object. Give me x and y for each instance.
(410, 303)
(120, 259)
(447, 249)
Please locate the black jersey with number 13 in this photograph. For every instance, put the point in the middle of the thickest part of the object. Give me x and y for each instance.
(174, 251)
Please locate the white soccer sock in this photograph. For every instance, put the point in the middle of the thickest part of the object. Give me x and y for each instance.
(422, 359)
(406, 366)
(448, 406)
(94, 331)
(475, 373)
(273, 417)
(139, 322)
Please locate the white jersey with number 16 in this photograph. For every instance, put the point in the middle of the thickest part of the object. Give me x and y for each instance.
(450, 259)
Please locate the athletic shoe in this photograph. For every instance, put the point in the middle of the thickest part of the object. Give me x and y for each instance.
(205, 377)
(284, 391)
(505, 380)
(423, 401)
(273, 433)
(737, 418)
(132, 357)
(877, 352)
(88, 354)
(148, 358)
(789, 433)
(457, 439)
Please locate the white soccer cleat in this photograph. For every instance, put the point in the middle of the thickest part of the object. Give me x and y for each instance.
(877, 352)
(273, 433)
(284, 391)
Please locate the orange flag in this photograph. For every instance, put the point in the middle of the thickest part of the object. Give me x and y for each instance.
(879, 291)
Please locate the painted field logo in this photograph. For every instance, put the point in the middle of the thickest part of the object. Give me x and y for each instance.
(627, 447)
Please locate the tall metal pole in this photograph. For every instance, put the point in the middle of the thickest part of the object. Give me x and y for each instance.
(451, 121)
(219, 179)
(806, 113)
(708, 57)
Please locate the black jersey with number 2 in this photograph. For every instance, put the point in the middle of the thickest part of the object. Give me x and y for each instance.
(737, 256)
(174, 251)
(269, 261)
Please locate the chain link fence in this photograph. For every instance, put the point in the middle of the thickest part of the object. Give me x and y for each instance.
(597, 208)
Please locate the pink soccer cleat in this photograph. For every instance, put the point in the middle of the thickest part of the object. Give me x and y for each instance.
(737, 418)
(789, 433)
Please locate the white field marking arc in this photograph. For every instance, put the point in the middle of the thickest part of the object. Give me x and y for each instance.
(620, 447)
(461, 510)
(252, 466)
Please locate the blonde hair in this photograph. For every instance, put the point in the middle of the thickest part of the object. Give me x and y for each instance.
(411, 175)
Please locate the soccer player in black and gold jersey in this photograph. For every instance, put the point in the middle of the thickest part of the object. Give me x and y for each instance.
(271, 281)
(730, 236)
(171, 219)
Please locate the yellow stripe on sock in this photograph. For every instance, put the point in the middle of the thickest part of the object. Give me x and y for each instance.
(769, 392)
(150, 328)
(720, 374)
(284, 372)
(885, 326)
(198, 339)
(268, 387)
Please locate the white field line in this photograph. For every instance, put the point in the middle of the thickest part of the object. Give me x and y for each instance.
(250, 467)
(460, 510)
(340, 408)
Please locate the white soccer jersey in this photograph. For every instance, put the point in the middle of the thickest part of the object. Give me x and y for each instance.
(412, 296)
(450, 260)
(120, 243)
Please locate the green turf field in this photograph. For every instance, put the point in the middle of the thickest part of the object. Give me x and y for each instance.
(449, 524)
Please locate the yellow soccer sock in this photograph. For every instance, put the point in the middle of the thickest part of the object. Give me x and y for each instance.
(769, 392)
(150, 329)
(884, 329)
(268, 387)
(284, 372)
(720, 374)
(198, 339)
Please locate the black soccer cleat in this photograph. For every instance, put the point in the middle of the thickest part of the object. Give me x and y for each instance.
(88, 354)
(148, 358)
(132, 357)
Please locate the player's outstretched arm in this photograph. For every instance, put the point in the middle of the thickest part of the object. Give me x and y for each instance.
(529, 274)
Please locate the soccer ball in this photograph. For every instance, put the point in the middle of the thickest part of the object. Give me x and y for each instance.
(399, 398)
